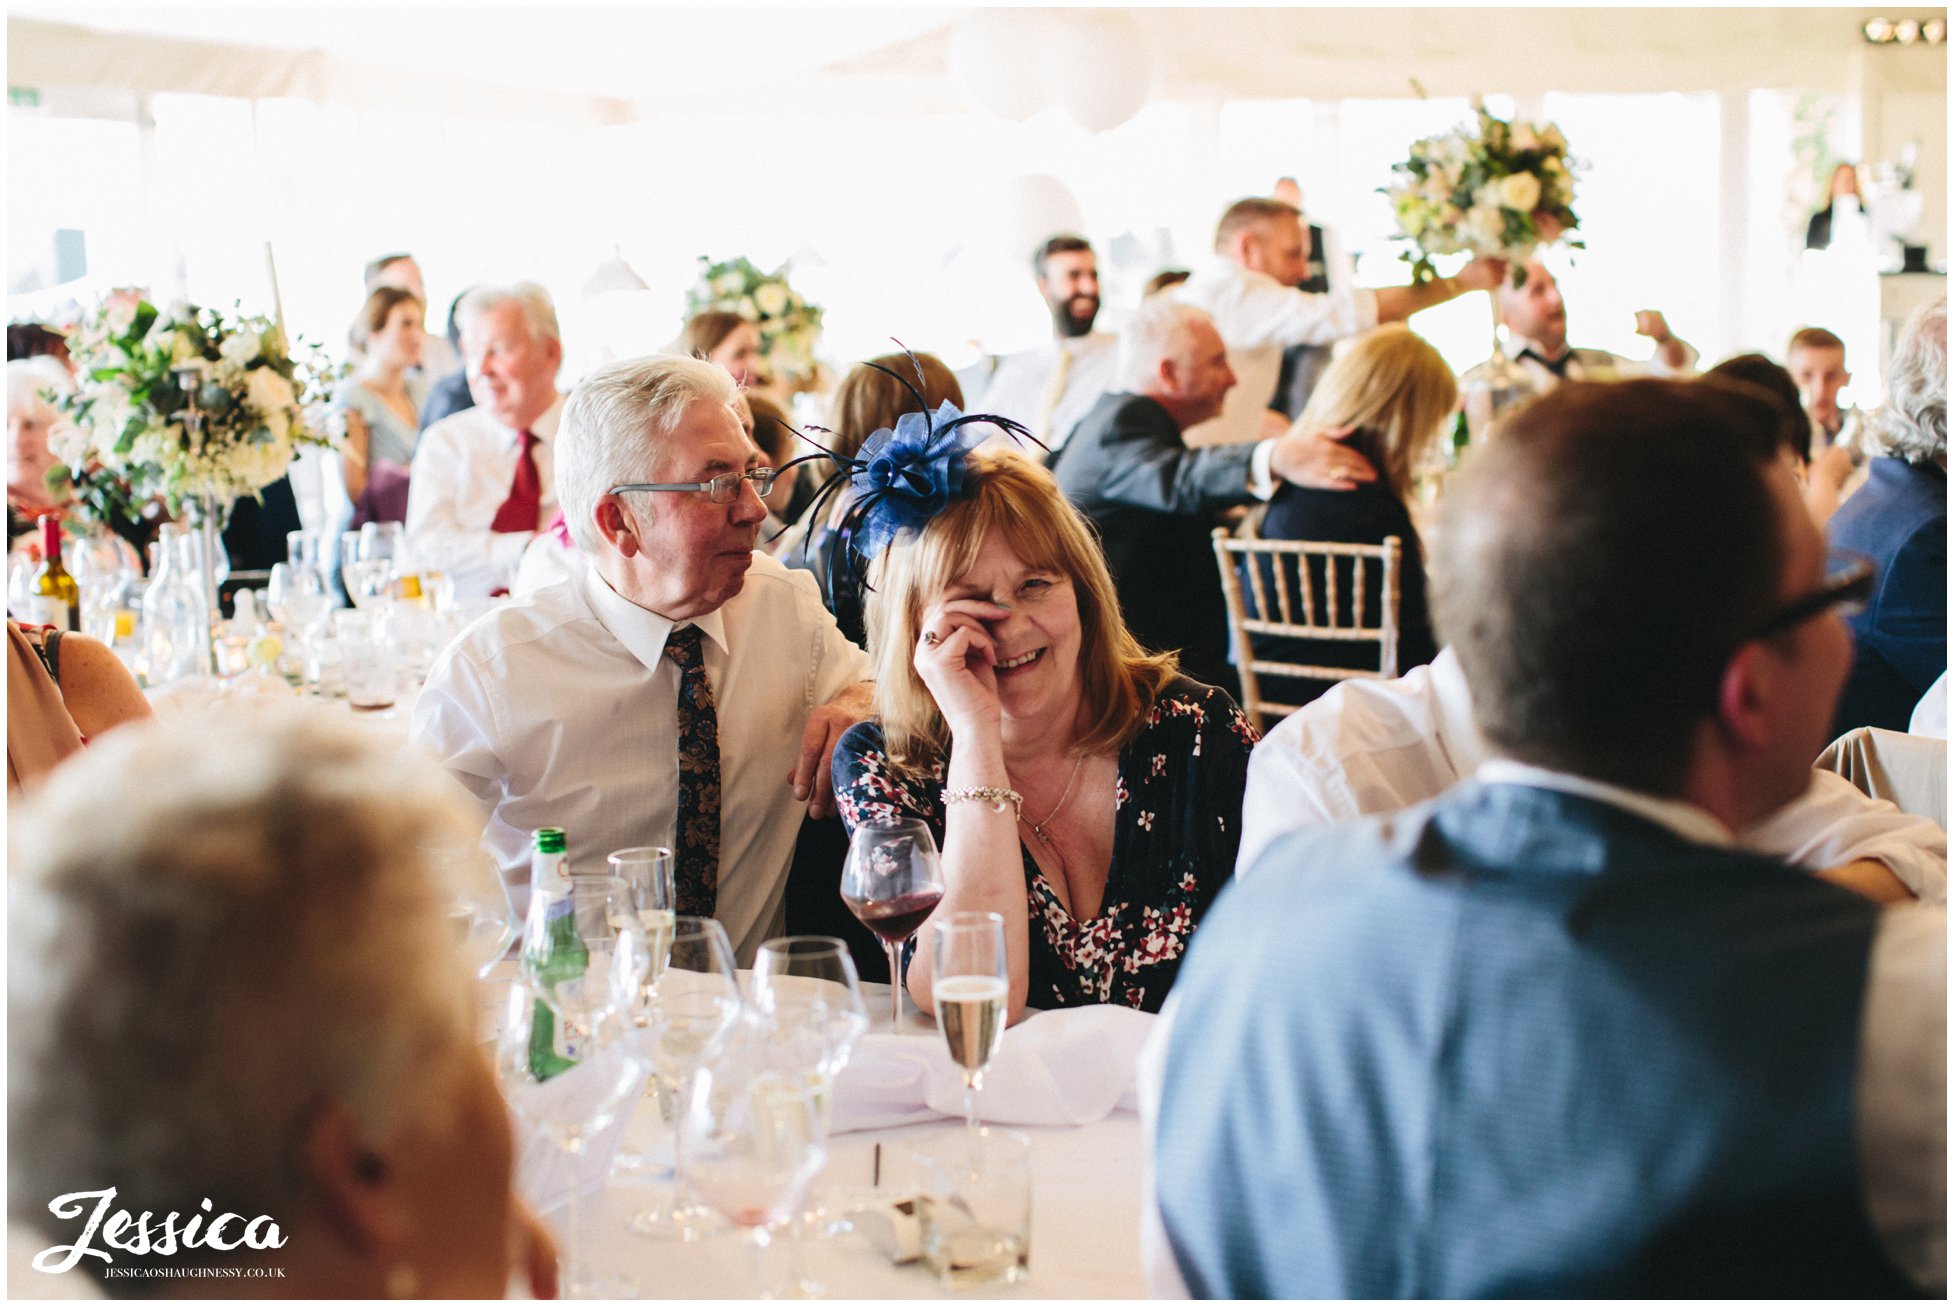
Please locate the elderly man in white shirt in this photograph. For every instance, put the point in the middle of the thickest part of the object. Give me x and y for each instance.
(1261, 255)
(1536, 323)
(483, 479)
(681, 689)
(1049, 387)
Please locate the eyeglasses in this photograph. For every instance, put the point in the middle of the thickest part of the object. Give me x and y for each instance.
(1848, 584)
(724, 488)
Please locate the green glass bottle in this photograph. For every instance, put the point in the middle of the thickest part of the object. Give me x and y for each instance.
(1461, 437)
(552, 950)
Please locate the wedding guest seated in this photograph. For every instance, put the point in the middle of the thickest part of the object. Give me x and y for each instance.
(381, 404)
(1821, 469)
(30, 417)
(1554, 1035)
(1535, 317)
(1080, 787)
(1898, 518)
(63, 689)
(871, 398)
(1154, 501)
(233, 993)
(1395, 394)
(1050, 386)
(727, 339)
(683, 690)
(483, 480)
(403, 272)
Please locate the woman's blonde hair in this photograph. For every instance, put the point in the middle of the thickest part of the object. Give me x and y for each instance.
(1395, 389)
(1008, 493)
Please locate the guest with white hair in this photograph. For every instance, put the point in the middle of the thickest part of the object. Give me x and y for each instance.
(234, 1003)
(30, 417)
(483, 479)
(1899, 519)
(1155, 501)
(683, 690)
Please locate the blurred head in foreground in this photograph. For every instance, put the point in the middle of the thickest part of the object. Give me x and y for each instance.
(233, 988)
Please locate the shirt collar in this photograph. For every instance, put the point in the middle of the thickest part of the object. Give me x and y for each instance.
(640, 630)
(1516, 344)
(1458, 732)
(1685, 820)
(544, 427)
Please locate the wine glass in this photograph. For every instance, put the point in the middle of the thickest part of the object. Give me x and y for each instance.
(298, 599)
(752, 1134)
(647, 872)
(682, 1026)
(971, 985)
(567, 1064)
(807, 985)
(892, 882)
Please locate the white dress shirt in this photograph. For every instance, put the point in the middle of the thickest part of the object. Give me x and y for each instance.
(1900, 1092)
(1371, 746)
(463, 469)
(1259, 317)
(1588, 364)
(561, 710)
(1026, 386)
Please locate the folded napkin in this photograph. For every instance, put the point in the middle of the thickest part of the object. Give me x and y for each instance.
(545, 1174)
(1069, 1066)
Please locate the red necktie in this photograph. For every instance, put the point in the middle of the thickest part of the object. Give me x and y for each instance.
(525, 502)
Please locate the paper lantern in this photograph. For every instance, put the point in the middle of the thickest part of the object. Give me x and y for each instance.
(995, 59)
(1102, 66)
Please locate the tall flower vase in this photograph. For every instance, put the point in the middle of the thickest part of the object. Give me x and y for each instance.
(205, 515)
(1494, 388)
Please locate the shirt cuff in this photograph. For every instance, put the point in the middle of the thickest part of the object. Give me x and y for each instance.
(1261, 477)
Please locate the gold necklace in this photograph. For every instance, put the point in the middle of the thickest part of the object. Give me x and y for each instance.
(1038, 827)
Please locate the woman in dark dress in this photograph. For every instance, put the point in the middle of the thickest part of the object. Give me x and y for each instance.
(1080, 787)
(1396, 393)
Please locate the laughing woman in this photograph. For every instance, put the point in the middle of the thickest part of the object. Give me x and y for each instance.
(1080, 787)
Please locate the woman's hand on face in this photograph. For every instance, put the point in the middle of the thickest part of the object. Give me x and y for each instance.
(957, 659)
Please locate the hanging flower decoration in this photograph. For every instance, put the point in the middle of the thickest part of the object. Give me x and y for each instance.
(1492, 189)
(183, 402)
(789, 325)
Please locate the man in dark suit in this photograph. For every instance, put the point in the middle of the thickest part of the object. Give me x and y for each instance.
(1554, 1034)
(1154, 500)
(1899, 519)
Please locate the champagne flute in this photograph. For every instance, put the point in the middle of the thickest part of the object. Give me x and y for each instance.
(971, 984)
(892, 882)
(684, 1027)
(590, 1051)
(753, 1134)
(647, 872)
(806, 984)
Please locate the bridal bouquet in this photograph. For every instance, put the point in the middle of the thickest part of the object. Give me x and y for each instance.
(1491, 188)
(788, 324)
(193, 404)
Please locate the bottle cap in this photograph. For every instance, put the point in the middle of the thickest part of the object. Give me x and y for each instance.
(550, 839)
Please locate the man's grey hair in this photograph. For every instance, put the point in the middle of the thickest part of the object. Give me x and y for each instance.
(220, 922)
(1912, 424)
(616, 425)
(28, 378)
(537, 309)
(1159, 329)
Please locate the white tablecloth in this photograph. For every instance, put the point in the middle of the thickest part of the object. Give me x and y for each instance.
(1085, 1236)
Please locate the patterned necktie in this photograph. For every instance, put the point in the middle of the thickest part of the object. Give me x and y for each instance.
(697, 875)
(525, 502)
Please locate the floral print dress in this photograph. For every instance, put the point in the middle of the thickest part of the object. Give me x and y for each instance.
(1177, 827)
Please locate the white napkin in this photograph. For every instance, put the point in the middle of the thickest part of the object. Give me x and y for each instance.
(545, 1174)
(1069, 1066)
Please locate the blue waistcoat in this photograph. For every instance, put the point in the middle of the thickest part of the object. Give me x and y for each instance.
(1519, 1043)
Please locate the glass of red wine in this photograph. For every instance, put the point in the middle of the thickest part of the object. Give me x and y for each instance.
(893, 881)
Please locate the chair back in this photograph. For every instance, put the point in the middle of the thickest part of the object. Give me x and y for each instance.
(1297, 589)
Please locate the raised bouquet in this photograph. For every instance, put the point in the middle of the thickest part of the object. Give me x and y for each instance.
(788, 324)
(1491, 189)
(193, 404)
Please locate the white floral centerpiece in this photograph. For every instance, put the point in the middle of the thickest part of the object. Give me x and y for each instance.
(193, 404)
(789, 325)
(1491, 189)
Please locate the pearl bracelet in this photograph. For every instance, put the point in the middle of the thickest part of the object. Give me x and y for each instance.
(995, 795)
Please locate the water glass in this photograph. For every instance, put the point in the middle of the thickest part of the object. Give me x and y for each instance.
(975, 1207)
(366, 659)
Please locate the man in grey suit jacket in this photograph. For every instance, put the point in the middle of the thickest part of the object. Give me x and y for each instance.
(1154, 500)
(1555, 1034)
